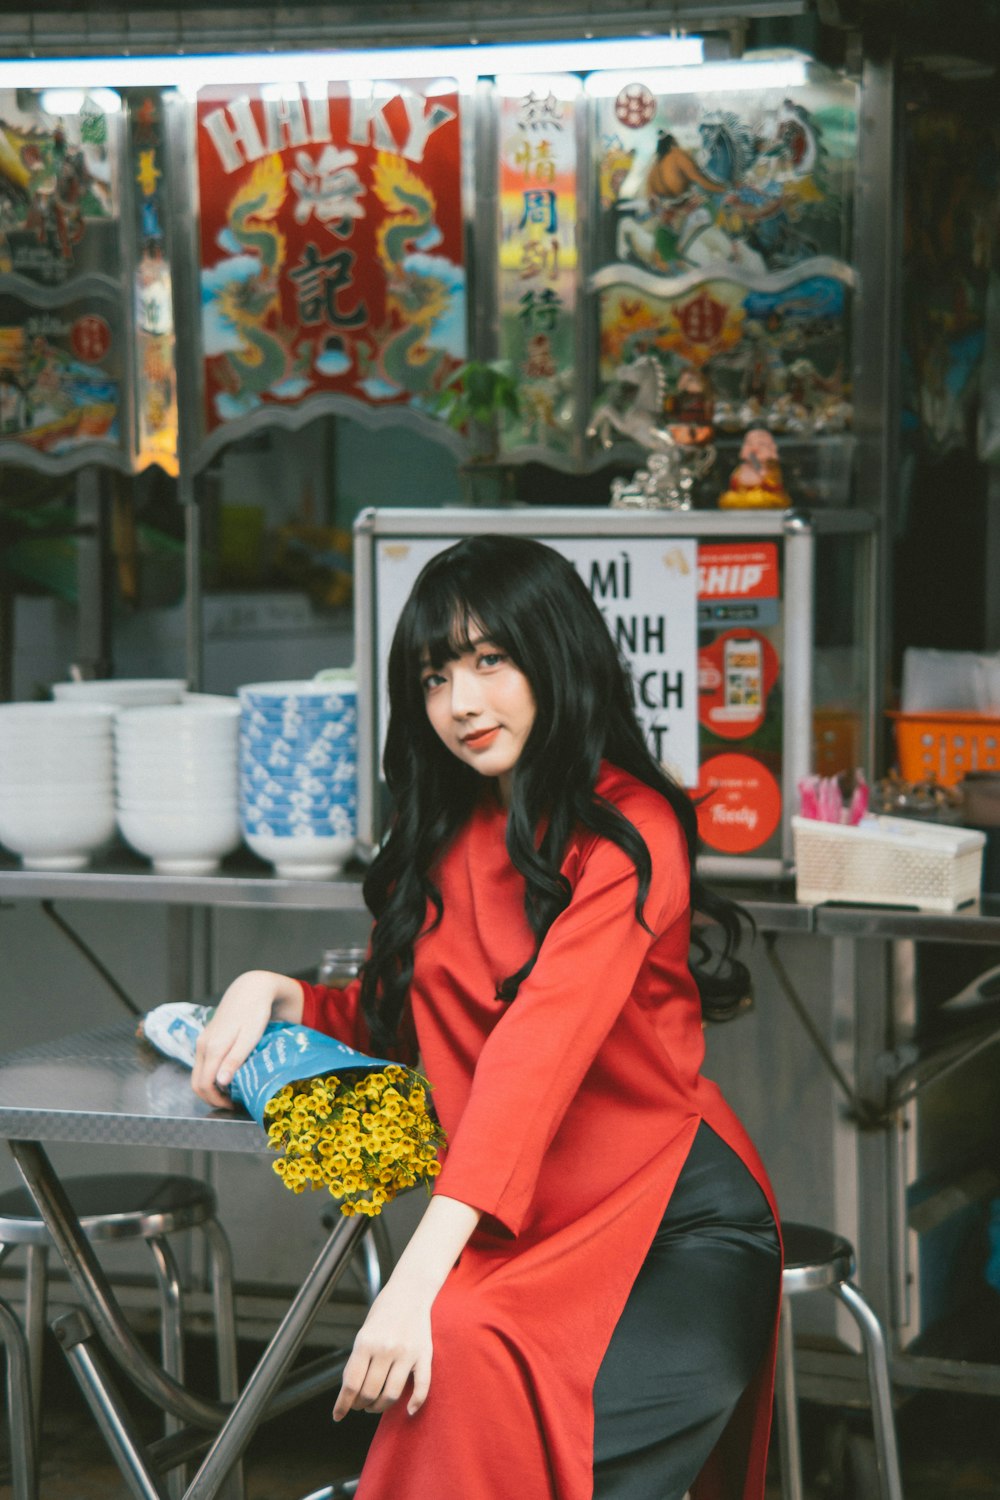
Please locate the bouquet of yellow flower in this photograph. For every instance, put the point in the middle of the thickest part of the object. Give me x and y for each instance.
(364, 1137)
(358, 1126)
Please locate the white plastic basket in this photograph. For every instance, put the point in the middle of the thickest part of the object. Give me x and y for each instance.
(887, 862)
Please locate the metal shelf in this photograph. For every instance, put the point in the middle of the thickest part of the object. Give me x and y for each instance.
(245, 881)
(241, 881)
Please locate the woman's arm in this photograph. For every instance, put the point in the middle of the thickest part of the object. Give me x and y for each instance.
(395, 1339)
(252, 1001)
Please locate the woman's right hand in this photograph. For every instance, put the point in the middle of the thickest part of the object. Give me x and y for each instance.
(252, 1001)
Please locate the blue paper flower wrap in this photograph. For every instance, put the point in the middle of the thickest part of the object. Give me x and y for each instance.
(286, 1054)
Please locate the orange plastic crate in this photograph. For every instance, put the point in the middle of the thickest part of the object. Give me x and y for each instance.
(946, 745)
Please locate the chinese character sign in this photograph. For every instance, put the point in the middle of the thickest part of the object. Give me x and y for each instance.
(538, 257)
(331, 245)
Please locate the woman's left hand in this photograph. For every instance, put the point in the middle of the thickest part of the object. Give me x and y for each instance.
(395, 1338)
(394, 1343)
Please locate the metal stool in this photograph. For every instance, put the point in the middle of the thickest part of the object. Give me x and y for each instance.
(145, 1206)
(20, 1427)
(815, 1260)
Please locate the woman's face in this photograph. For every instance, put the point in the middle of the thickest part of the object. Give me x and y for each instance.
(482, 708)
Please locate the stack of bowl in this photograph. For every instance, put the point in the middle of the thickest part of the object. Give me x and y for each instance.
(124, 692)
(177, 782)
(56, 782)
(299, 774)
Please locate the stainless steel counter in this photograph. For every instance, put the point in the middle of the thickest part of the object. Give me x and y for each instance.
(106, 1086)
(122, 876)
(979, 923)
(244, 881)
(776, 910)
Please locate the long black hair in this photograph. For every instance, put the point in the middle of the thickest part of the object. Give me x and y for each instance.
(529, 601)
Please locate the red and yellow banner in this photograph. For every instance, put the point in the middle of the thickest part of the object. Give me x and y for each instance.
(331, 244)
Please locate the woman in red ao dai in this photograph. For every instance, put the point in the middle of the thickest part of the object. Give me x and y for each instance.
(588, 1305)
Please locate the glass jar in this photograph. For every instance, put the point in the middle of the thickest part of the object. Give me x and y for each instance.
(339, 966)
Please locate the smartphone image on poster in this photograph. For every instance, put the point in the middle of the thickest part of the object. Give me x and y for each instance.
(743, 679)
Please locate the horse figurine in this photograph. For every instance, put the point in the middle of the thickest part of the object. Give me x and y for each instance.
(639, 417)
(667, 482)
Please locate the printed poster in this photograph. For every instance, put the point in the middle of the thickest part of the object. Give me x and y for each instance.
(739, 695)
(645, 587)
(331, 244)
(61, 375)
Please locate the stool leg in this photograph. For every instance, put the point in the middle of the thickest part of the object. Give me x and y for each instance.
(221, 1259)
(877, 1362)
(20, 1415)
(788, 1407)
(376, 1254)
(36, 1295)
(171, 1341)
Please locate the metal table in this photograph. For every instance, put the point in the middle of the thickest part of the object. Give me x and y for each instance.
(106, 1086)
(901, 1115)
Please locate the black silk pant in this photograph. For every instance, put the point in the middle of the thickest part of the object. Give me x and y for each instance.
(696, 1325)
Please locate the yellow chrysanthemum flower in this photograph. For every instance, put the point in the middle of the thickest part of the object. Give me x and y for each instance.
(363, 1139)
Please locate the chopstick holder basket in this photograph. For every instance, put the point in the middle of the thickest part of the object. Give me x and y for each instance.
(887, 862)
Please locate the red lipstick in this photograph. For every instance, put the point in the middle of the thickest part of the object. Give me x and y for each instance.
(481, 738)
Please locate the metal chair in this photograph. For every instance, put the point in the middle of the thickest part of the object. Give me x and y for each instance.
(817, 1260)
(144, 1206)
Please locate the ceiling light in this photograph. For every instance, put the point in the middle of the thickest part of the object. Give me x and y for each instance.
(274, 68)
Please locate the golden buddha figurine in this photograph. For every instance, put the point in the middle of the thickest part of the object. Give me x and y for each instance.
(756, 482)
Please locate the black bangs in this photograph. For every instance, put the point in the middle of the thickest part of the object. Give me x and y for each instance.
(441, 623)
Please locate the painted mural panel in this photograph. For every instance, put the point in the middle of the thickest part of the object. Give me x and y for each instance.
(58, 200)
(723, 237)
(61, 375)
(331, 245)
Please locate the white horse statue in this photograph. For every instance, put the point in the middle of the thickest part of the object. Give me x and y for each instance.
(639, 416)
(673, 467)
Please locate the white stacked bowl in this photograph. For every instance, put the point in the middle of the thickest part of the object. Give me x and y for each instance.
(299, 774)
(56, 782)
(124, 692)
(177, 794)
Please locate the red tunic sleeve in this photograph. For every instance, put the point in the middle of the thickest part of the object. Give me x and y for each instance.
(338, 1013)
(532, 1063)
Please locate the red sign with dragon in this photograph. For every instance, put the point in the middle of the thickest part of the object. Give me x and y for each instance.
(331, 244)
